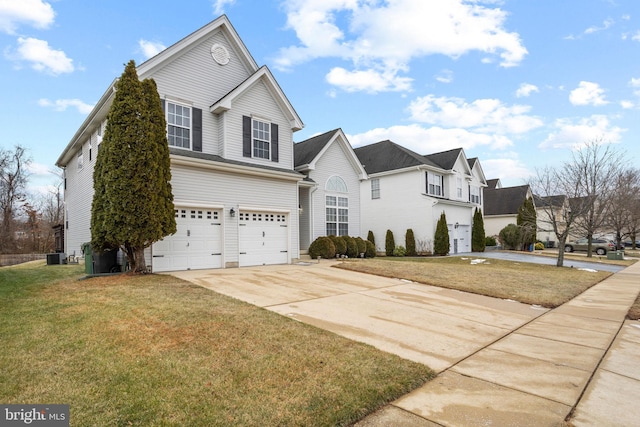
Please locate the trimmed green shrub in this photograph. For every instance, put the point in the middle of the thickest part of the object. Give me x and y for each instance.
(322, 247)
(371, 249)
(371, 238)
(399, 251)
(340, 244)
(441, 244)
(478, 240)
(352, 246)
(490, 241)
(410, 242)
(510, 237)
(362, 246)
(389, 243)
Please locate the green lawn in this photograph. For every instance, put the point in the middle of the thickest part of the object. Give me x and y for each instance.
(156, 351)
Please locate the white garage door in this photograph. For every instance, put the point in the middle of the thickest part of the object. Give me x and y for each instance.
(196, 244)
(263, 238)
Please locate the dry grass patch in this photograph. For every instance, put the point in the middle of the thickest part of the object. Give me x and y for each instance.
(634, 311)
(154, 350)
(524, 282)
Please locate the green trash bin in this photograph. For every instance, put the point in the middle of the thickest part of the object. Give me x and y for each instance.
(88, 257)
(617, 255)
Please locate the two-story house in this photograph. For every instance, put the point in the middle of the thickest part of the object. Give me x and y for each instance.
(408, 190)
(230, 130)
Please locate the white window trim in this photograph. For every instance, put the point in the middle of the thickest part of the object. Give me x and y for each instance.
(190, 128)
(375, 188)
(254, 139)
(80, 158)
(431, 177)
(337, 209)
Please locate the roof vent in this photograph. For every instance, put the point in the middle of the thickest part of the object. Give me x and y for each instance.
(220, 54)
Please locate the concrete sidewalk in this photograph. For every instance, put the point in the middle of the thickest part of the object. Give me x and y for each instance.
(579, 358)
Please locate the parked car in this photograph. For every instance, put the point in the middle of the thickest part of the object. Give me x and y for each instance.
(628, 244)
(599, 246)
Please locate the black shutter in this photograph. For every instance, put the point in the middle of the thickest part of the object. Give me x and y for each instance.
(246, 136)
(197, 129)
(163, 102)
(274, 142)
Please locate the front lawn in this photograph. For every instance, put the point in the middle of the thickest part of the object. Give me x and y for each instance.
(154, 350)
(524, 282)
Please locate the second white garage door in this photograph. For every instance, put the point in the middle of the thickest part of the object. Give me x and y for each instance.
(263, 238)
(195, 245)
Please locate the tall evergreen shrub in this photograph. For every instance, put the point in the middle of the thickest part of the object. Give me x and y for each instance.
(441, 244)
(389, 243)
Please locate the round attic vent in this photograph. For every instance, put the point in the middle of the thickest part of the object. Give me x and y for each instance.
(220, 54)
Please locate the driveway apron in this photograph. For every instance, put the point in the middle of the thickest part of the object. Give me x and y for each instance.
(499, 362)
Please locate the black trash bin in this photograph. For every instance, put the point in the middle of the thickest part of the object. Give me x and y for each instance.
(106, 262)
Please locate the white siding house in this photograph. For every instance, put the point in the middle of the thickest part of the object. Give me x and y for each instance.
(230, 130)
(408, 190)
(330, 194)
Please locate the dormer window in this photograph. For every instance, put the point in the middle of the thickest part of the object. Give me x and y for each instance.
(259, 139)
(261, 136)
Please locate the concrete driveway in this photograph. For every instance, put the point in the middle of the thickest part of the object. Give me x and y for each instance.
(435, 326)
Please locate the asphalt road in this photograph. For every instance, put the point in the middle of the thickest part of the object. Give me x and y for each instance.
(547, 260)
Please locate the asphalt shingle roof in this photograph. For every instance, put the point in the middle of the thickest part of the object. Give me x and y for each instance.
(504, 201)
(305, 151)
(445, 159)
(387, 155)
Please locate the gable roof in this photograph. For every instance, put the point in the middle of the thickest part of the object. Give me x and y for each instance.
(555, 201)
(307, 152)
(504, 201)
(493, 183)
(445, 159)
(226, 102)
(386, 156)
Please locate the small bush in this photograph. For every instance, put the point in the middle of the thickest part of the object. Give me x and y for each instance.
(539, 246)
(352, 246)
(490, 241)
(410, 241)
(362, 246)
(389, 243)
(371, 238)
(511, 237)
(340, 244)
(322, 247)
(371, 249)
(399, 251)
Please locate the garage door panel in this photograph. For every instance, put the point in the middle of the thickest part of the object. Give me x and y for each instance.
(195, 245)
(263, 238)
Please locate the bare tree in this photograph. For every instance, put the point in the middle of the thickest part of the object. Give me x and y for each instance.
(13, 181)
(554, 187)
(594, 168)
(623, 215)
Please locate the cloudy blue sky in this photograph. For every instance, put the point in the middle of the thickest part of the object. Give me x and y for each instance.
(516, 83)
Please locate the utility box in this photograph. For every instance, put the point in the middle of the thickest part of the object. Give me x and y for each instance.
(55, 259)
(617, 255)
(88, 258)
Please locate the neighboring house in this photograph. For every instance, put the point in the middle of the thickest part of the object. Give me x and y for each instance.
(408, 190)
(544, 207)
(329, 196)
(501, 206)
(230, 130)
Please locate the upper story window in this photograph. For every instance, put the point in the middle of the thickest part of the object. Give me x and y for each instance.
(375, 188)
(260, 139)
(459, 187)
(435, 184)
(261, 136)
(474, 194)
(337, 216)
(179, 125)
(80, 159)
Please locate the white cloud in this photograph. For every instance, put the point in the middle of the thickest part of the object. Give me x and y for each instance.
(506, 169)
(39, 169)
(445, 76)
(588, 93)
(42, 57)
(388, 35)
(430, 140)
(594, 29)
(636, 36)
(368, 80)
(150, 49)
(482, 115)
(627, 104)
(63, 104)
(573, 134)
(36, 13)
(526, 89)
(218, 5)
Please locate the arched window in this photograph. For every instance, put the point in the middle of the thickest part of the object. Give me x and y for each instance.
(337, 207)
(336, 184)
